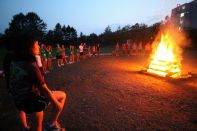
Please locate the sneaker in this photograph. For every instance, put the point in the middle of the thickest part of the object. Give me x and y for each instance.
(54, 128)
(59, 65)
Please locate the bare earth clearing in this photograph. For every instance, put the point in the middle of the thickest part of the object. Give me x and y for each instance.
(108, 93)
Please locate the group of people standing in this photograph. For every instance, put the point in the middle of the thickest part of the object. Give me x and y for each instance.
(64, 55)
(89, 51)
(132, 49)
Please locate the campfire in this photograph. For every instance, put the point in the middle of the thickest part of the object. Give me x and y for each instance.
(165, 62)
(167, 54)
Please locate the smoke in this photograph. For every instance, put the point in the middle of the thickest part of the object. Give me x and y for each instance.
(178, 36)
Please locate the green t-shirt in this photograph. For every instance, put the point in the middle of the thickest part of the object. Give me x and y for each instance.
(49, 54)
(43, 53)
(58, 51)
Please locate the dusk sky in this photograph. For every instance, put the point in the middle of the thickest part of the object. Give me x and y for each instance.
(89, 16)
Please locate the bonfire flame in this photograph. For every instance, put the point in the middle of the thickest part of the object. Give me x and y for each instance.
(165, 61)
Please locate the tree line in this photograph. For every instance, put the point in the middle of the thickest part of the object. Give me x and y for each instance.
(32, 24)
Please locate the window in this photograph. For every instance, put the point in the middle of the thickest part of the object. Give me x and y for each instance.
(182, 14)
(183, 7)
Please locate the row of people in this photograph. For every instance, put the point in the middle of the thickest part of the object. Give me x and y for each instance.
(132, 48)
(63, 55)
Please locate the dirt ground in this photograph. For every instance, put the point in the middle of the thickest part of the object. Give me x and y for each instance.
(109, 93)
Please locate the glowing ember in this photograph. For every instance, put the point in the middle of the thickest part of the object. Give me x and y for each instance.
(165, 61)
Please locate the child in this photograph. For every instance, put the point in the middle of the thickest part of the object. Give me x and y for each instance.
(89, 51)
(59, 55)
(49, 56)
(44, 57)
(117, 49)
(72, 56)
(98, 49)
(78, 55)
(124, 48)
(63, 55)
(93, 50)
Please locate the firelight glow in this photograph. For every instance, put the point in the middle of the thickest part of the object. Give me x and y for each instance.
(165, 62)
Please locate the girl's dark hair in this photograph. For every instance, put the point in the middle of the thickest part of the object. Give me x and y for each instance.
(22, 47)
(21, 51)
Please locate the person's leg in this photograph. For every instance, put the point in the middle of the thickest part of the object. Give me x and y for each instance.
(49, 63)
(45, 65)
(62, 61)
(70, 59)
(73, 58)
(58, 62)
(61, 97)
(23, 119)
(39, 117)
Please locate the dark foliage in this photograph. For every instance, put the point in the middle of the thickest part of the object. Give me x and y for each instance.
(21, 24)
(61, 34)
(32, 24)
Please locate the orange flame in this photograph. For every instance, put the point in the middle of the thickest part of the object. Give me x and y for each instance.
(165, 62)
(167, 54)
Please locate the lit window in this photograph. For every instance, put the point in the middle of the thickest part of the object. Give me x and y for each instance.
(182, 14)
(183, 7)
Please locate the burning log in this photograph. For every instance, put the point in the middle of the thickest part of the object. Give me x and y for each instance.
(164, 68)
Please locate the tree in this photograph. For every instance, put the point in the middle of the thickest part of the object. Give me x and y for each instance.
(34, 24)
(29, 24)
(93, 39)
(81, 34)
(107, 30)
(118, 29)
(126, 28)
(49, 38)
(82, 38)
(58, 36)
(1, 39)
(26, 24)
(69, 34)
(73, 33)
(107, 37)
(135, 27)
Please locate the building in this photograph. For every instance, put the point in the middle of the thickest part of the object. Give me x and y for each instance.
(185, 16)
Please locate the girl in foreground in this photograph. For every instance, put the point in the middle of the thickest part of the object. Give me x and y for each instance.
(27, 85)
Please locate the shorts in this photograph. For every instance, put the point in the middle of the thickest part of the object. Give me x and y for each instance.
(59, 57)
(33, 103)
(81, 53)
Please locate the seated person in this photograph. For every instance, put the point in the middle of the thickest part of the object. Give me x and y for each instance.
(27, 85)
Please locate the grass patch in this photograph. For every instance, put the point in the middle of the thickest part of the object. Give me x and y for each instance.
(107, 49)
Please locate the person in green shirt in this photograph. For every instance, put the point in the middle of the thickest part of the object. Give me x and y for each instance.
(59, 55)
(43, 53)
(49, 56)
